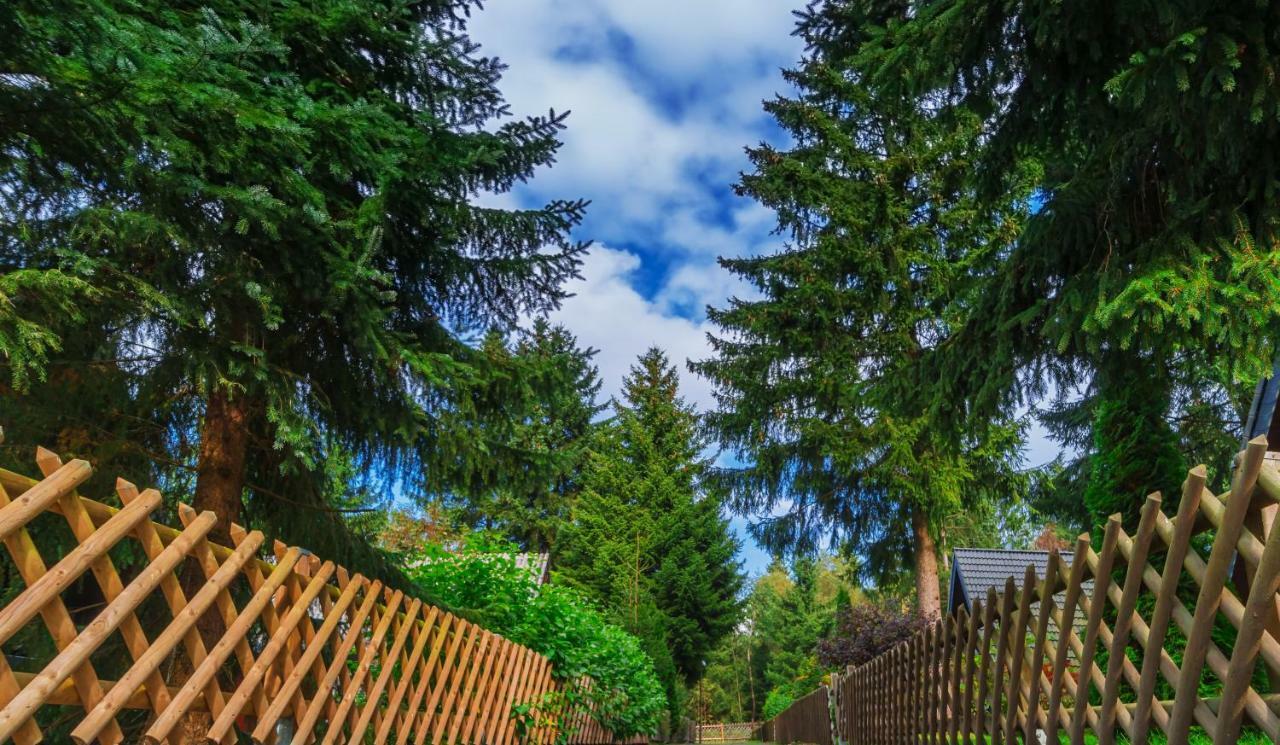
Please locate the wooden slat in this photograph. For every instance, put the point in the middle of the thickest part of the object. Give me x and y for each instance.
(497, 683)
(75, 654)
(1178, 543)
(267, 721)
(1019, 640)
(302, 668)
(448, 672)
(931, 670)
(362, 668)
(104, 572)
(254, 677)
(23, 508)
(1101, 579)
(164, 724)
(415, 718)
(984, 666)
(374, 698)
(970, 659)
(1211, 588)
(175, 597)
(957, 665)
(1261, 603)
(1137, 562)
(426, 631)
(1002, 646)
(923, 690)
(306, 726)
(181, 626)
(1046, 592)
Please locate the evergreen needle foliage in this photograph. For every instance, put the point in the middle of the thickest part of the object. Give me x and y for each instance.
(647, 540)
(882, 234)
(1150, 260)
(257, 223)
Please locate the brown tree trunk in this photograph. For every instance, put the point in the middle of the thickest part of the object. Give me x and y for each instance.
(926, 565)
(224, 442)
(220, 480)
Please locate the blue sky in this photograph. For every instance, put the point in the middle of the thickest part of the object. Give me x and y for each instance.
(664, 95)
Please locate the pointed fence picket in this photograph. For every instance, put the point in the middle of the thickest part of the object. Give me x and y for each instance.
(1051, 659)
(274, 643)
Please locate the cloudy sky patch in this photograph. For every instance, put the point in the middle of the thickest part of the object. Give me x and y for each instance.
(664, 95)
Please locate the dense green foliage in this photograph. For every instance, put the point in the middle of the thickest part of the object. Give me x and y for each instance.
(552, 439)
(253, 225)
(647, 540)
(485, 585)
(789, 625)
(771, 658)
(881, 231)
(1150, 258)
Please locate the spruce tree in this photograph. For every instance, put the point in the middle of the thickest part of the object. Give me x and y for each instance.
(788, 619)
(265, 216)
(647, 540)
(880, 233)
(538, 464)
(1150, 262)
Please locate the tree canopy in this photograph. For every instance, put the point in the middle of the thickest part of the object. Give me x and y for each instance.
(262, 221)
(882, 233)
(1147, 271)
(647, 540)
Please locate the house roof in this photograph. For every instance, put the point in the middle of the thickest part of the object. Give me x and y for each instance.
(975, 570)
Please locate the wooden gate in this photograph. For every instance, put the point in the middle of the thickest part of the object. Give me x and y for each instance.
(722, 732)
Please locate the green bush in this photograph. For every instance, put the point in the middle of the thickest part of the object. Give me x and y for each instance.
(778, 700)
(484, 585)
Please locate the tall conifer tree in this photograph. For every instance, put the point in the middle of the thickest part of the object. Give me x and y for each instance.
(647, 540)
(266, 212)
(558, 385)
(1149, 273)
(879, 230)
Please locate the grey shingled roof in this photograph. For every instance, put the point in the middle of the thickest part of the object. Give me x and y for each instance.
(978, 569)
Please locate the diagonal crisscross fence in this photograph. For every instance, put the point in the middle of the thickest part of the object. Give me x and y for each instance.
(724, 732)
(275, 644)
(1177, 636)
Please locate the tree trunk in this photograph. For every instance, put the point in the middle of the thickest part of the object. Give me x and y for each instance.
(220, 478)
(220, 475)
(926, 565)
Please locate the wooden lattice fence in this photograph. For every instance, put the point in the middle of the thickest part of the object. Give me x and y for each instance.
(1162, 624)
(721, 732)
(300, 647)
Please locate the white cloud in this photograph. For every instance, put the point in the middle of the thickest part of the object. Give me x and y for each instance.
(629, 148)
(607, 313)
(664, 97)
(664, 94)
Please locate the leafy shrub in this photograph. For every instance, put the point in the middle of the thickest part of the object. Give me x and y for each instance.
(484, 585)
(865, 631)
(778, 701)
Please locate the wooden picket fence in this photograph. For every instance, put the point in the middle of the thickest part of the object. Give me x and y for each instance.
(299, 649)
(1002, 674)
